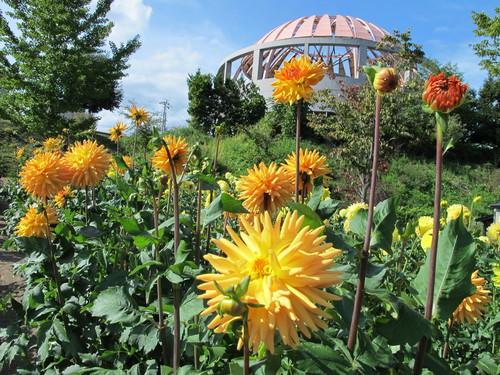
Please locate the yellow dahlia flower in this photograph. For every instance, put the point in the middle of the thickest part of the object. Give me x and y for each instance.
(179, 151)
(425, 223)
(288, 266)
(349, 213)
(496, 278)
(295, 78)
(113, 167)
(53, 144)
(34, 224)
(443, 204)
(472, 308)
(19, 153)
(455, 210)
(62, 196)
(493, 232)
(139, 115)
(265, 189)
(426, 241)
(312, 165)
(45, 175)
(88, 162)
(117, 131)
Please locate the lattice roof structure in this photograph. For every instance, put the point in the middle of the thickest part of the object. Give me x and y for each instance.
(343, 43)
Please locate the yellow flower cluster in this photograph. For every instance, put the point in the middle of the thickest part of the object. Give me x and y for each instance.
(349, 213)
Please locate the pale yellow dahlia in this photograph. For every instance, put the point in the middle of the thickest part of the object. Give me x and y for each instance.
(139, 115)
(179, 151)
(493, 232)
(425, 223)
(426, 241)
(53, 144)
(265, 189)
(45, 175)
(455, 210)
(312, 165)
(88, 162)
(295, 78)
(62, 196)
(496, 271)
(117, 131)
(349, 213)
(34, 224)
(472, 308)
(288, 266)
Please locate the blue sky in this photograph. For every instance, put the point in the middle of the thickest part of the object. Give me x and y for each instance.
(181, 36)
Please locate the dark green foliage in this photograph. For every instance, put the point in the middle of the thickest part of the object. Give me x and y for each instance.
(57, 64)
(489, 47)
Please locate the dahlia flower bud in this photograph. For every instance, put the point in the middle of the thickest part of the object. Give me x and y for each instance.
(444, 94)
(386, 80)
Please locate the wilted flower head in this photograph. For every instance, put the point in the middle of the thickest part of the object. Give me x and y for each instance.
(45, 175)
(265, 189)
(349, 213)
(493, 232)
(444, 94)
(425, 223)
(53, 144)
(472, 308)
(117, 131)
(455, 210)
(386, 80)
(179, 151)
(288, 267)
(88, 162)
(139, 115)
(34, 223)
(312, 165)
(295, 78)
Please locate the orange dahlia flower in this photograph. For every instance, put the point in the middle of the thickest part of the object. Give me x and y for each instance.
(45, 175)
(139, 115)
(53, 144)
(295, 79)
(312, 165)
(34, 224)
(62, 196)
(265, 189)
(444, 94)
(179, 151)
(472, 308)
(288, 267)
(88, 162)
(386, 80)
(117, 131)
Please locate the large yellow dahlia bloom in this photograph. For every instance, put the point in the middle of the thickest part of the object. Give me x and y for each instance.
(179, 151)
(454, 211)
(288, 266)
(312, 165)
(425, 224)
(88, 162)
(45, 175)
(493, 232)
(34, 224)
(472, 308)
(265, 189)
(295, 78)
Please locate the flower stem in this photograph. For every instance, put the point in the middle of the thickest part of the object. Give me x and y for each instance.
(55, 270)
(246, 349)
(419, 359)
(363, 265)
(297, 150)
(176, 286)
(447, 340)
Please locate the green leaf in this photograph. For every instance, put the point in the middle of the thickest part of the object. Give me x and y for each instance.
(117, 306)
(191, 305)
(311, 218)
(212, 212)
(326, 208)
(90, 232)
(140, 235)
(451, 142)
(147, 264)
(407, 327)
(317, 193)
(455, 263)
(319, 359)
(374, 275)
(242, 287)
(230, 204)
(120, 162)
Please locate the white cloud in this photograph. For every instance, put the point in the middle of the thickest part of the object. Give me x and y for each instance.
(130, 17)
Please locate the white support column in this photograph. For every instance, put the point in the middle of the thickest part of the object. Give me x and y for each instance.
(257, 65)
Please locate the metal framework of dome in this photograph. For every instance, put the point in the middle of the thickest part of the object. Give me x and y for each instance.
(343, 43)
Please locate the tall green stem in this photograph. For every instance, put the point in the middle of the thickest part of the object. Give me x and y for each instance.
(419, 359)
(297, 150)
(363, 265)
(55, 269)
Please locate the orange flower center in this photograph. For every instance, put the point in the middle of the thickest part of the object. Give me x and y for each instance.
(260, 268)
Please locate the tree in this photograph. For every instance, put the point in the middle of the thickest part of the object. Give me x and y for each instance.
(488, 48)
(215, 100)
(56, 65)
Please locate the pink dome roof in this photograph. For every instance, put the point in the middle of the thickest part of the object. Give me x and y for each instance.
(326, 26)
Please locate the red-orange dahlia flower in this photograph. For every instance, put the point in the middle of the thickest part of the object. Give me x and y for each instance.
(444, 94)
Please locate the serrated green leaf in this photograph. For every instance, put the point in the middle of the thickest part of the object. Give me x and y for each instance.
(320, 359)
(90, 232)
(117, 306)
(455, 263)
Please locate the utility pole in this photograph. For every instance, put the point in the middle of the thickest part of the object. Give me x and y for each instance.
(166, 105)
